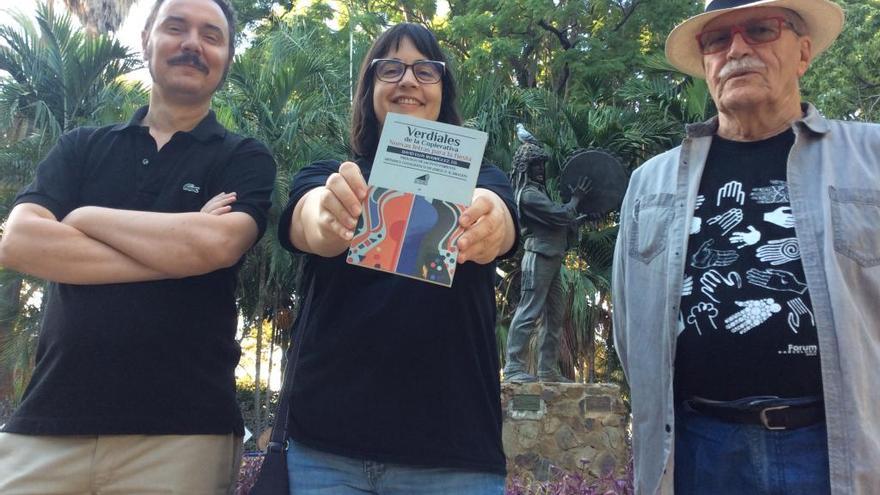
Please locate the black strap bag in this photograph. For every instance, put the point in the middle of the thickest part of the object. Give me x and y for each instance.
(273, 477)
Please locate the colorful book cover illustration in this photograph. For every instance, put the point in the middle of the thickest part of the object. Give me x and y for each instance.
(422, 180)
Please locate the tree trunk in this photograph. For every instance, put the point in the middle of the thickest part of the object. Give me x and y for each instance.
(268, 400)
(258, 363)
(99, 16)
(562, 82)
(590, 352)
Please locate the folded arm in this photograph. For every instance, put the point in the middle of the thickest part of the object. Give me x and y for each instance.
(179, 244)
(36, 243)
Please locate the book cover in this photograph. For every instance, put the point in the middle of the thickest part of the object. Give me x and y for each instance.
(423, 178)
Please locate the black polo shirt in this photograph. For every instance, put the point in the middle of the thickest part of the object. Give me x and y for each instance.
(147, 357)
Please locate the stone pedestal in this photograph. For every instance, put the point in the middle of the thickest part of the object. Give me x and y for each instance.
(573, 426)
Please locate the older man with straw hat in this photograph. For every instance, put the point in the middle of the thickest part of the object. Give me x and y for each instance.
(752, 362)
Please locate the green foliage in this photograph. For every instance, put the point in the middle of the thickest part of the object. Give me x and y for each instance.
(59, 77)
(251, 14)
(555, 44)
(20, 317)
(844, 82)
(293, 99)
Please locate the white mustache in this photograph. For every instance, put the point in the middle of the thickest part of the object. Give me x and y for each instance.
(740, 65)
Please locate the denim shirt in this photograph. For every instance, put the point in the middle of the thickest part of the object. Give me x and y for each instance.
(834, 185)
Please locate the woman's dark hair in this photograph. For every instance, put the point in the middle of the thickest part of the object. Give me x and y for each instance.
(364, 124)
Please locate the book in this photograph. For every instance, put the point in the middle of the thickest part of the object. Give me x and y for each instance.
(423, 178)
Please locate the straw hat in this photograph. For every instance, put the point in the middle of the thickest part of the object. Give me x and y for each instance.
(824, 20)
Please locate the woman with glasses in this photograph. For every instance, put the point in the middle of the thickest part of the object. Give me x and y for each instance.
(397, 387)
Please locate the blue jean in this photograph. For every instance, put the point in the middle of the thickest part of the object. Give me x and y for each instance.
(313, 472)
(718, 458)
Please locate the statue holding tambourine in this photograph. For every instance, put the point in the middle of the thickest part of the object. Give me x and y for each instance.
(592, 184)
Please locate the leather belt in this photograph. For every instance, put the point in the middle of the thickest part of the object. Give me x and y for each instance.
(770, 416)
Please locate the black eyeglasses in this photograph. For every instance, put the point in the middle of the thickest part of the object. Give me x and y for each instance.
(754, 32)
(392, 71)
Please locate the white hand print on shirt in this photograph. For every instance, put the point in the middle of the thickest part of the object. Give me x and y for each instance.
(754, 313)
(696, 225)
(744, 239)
(780, 251)
(798, 309)
(727, 220)
(776, 192)
(703, 316)
(687, 286)
(780, 216)
(712, 279)
(733, 190)
(773, 279)
(705, 257)
(699, 202)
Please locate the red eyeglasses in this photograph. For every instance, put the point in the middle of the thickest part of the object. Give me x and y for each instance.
(754, 32)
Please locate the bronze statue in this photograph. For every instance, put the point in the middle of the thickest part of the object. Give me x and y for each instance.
(547, 229)
(592, 184)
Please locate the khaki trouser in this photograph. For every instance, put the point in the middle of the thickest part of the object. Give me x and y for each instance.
(119, 464)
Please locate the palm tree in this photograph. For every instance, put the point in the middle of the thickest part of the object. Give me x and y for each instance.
(293, 98)
(60, 78)
(642, 117)
(100, 16)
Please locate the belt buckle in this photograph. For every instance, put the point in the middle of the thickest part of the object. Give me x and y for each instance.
(766, 422)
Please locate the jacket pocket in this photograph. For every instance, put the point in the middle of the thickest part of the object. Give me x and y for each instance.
(651, 217)
(855, 217)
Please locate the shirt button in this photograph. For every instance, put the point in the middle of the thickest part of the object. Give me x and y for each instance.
(668, 429)
(145, 161)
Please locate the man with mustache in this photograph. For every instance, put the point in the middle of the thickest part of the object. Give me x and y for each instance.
(751, 359)
(140, 229)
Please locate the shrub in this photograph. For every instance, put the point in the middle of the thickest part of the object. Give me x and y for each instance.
(250, 468)
(564, 482)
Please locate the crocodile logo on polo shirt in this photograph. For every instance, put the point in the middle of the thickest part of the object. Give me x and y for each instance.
(190, 187)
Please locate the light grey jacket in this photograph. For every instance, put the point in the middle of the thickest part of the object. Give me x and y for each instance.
(834, 186)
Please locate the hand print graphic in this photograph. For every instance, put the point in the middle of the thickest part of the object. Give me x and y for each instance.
(779, 251)
(753, 314)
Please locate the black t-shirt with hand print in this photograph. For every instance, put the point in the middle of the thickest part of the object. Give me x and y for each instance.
(746, 317)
